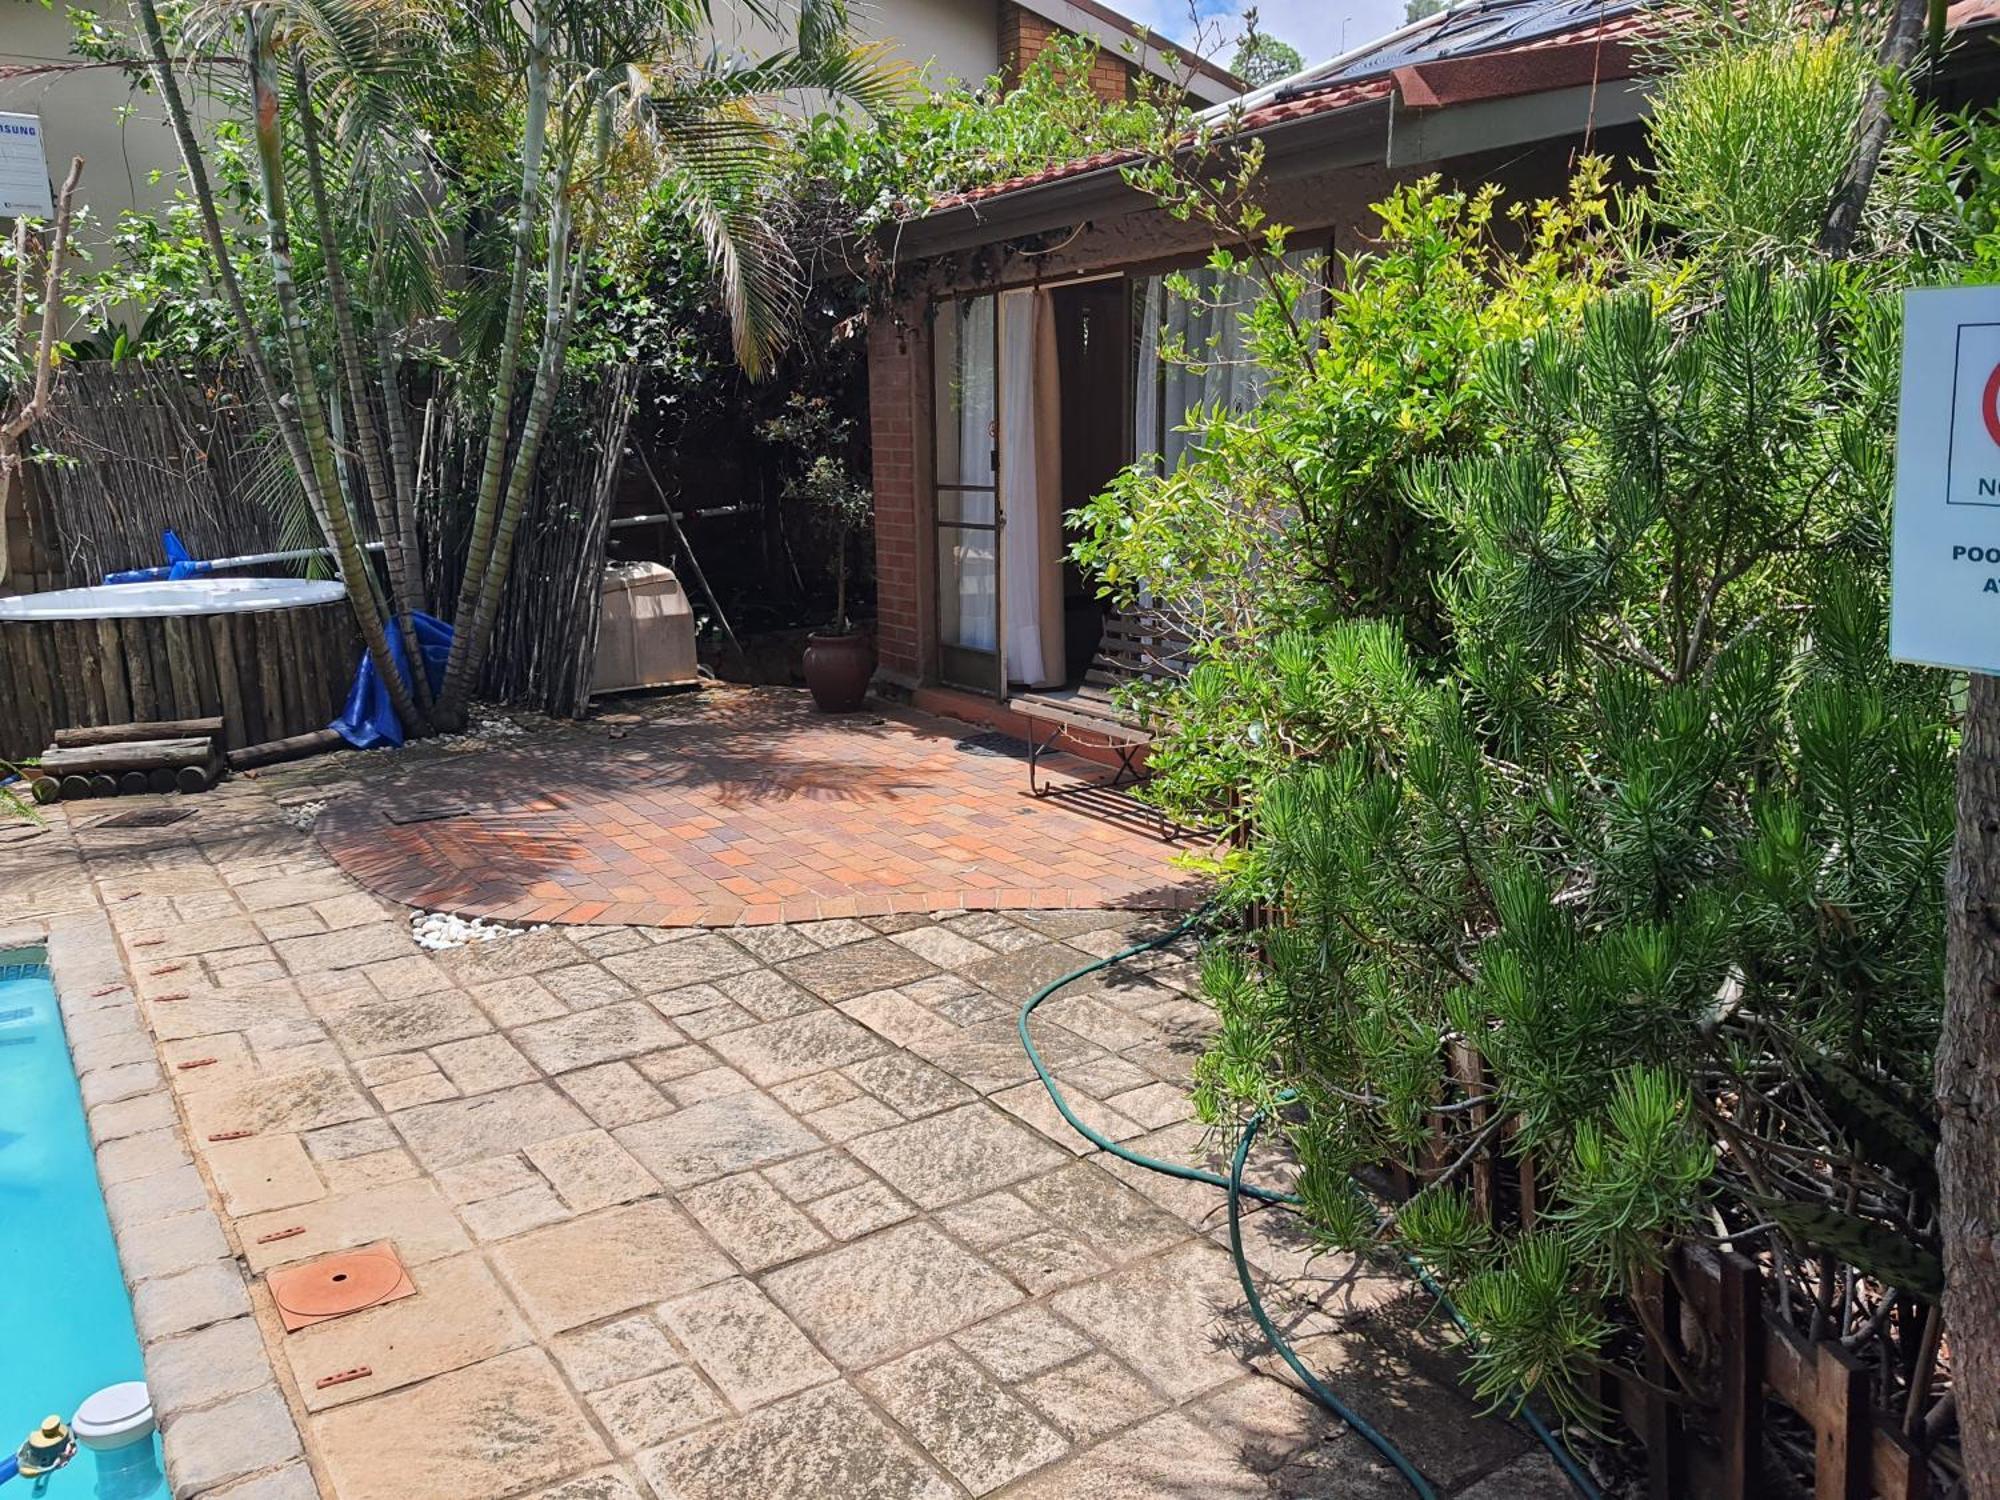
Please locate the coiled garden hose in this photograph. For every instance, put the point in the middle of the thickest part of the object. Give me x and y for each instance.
(1237, 1190)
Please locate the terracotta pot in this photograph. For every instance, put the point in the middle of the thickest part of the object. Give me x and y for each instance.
(838, 668)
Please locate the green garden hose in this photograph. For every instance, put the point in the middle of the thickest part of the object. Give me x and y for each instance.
(1237, 1190)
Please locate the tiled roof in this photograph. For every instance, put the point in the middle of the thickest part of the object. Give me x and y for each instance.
(1604, 48)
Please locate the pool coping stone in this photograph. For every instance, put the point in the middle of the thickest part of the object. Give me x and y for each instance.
(192, 1301)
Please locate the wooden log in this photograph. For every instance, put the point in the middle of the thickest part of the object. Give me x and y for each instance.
(103, 784)
(183, 687)
(45, 789)
(291, 748)
(139, 667)
(70, 703)
(270, 671)
(75, 788)
(219, 637)
(111, 656)
(132, 783)
(131, 755)
(196, 778)
(158, 729)
(160, 779)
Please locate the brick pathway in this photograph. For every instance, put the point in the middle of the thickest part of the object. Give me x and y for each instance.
(743, 806)
(691, 1215)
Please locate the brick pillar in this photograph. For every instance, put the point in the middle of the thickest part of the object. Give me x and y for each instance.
(897, 410)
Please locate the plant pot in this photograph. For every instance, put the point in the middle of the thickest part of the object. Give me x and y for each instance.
(838, 668)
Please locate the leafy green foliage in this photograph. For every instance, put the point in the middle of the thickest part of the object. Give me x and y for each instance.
(1664, 822)
(951, 138)
(1260, 59)
(1752, 138)
(1283, 516)
(819, 444)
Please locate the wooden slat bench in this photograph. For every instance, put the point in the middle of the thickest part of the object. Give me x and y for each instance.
(1132, 648)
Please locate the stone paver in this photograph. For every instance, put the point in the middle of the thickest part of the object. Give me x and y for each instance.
(775, 1210)
(741, 803)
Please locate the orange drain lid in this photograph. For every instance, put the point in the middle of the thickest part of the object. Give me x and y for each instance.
(333, 1286)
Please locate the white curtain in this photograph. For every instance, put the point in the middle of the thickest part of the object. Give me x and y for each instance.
(1023, 420)
(975, 397)
(1214, 333)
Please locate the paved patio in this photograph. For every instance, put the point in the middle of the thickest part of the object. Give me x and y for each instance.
(743, 805)
(777, 1212)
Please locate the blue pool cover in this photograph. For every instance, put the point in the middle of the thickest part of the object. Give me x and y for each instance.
(65, 1319)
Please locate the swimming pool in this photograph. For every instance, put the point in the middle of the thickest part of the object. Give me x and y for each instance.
(65, 1319)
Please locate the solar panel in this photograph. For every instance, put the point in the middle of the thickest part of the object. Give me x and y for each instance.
(1483, 26)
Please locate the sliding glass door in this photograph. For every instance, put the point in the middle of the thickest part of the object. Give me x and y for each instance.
(967, 510)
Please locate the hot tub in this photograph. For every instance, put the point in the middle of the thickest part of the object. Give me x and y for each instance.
(272, 656)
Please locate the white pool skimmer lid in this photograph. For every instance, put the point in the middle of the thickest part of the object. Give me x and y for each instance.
(115, 1417)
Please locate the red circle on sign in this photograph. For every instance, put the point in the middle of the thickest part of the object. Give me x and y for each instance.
(1989, 405)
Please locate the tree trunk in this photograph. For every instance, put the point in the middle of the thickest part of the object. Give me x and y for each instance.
(36, 406)
(247, 332)
(322, 472)
(479, 548)
(558, 311)
(1899, 48)
(1968, 1092)
(356, 376)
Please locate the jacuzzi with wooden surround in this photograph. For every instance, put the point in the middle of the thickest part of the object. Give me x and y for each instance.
(272, 656)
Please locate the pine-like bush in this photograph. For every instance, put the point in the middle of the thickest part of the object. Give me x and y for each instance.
(1661, 843)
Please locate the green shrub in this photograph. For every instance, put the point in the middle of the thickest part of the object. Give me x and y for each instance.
(1752, 138)
(1294, 513)
(1662, 842)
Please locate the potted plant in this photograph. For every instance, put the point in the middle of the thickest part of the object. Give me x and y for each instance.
(839, 659)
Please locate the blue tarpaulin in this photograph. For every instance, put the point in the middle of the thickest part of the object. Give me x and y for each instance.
(370, 718)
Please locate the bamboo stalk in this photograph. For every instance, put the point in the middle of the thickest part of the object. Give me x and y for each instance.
(458, 674)
(337, 514)
(356, 376)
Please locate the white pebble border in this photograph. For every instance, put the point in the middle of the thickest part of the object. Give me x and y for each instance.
(440, 929)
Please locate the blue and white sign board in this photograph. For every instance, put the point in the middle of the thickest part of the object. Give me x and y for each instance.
(24, 169)
(1945, 565)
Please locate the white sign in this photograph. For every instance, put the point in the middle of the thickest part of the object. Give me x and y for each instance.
(1945, 565)
(24, 169)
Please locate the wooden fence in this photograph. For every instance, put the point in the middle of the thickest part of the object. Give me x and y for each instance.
(1719, 1442)
(140, 448)
(549, 611)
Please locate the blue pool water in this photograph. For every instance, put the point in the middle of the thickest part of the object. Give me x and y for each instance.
(65, 1319)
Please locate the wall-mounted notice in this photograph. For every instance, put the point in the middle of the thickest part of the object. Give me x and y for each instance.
(24, 169)
(1945, 570)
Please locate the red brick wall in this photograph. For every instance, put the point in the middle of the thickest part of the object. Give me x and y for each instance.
(898, 408)
(1023, 35)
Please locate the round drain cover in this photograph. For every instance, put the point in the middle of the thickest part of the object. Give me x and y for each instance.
(339, 1284)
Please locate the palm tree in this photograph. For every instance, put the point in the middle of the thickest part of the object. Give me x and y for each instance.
(605, 100)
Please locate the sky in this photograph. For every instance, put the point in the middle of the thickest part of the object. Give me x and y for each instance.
(1312, 26)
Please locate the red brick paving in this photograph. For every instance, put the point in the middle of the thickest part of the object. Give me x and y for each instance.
(745, 806)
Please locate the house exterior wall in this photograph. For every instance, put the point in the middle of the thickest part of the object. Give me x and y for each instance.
(1024, 35)
(99, 114)
(1329, 209)
(131, 161)
(949, 38)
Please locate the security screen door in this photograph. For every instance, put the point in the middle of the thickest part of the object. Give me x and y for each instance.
(966, 370)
